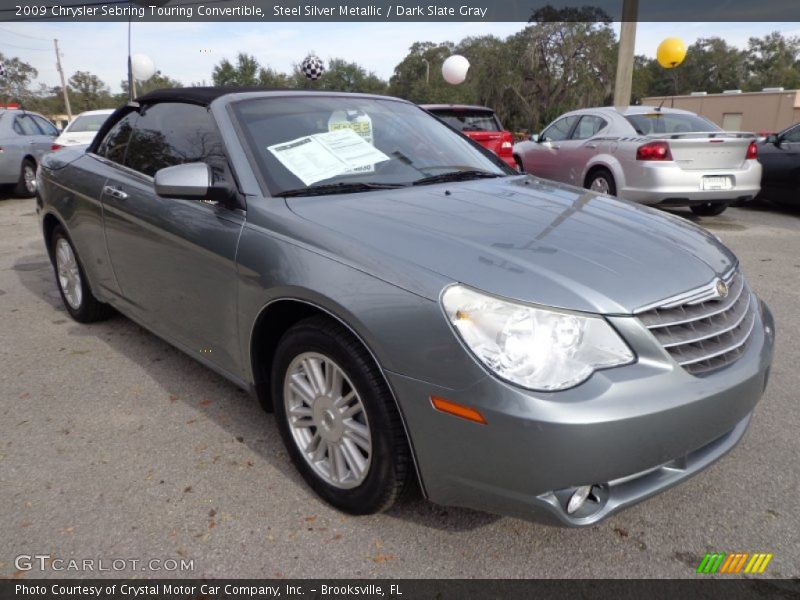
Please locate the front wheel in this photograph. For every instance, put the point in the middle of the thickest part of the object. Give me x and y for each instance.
(709, 209)
(338, 419)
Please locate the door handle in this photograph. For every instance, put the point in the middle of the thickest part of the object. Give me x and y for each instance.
(115, 192)
(556, 147)
(592, 146)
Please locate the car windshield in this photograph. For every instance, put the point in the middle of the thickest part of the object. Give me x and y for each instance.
(468, 120)
(86, 123)
(656, 122)
(337, 144)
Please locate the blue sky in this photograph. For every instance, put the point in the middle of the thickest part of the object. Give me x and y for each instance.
(188, 51)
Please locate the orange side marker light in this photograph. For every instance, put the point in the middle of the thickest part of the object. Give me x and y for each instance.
(458, 410)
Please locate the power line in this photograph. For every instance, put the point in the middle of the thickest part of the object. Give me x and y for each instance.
(33, 37)
(25, 47)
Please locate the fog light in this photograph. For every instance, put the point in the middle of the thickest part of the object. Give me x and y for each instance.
(578, 498)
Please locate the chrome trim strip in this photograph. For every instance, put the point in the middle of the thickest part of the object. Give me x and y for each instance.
(707, 291)
(715, 333)
(736, 346)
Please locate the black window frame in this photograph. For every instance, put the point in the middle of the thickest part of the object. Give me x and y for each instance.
(578, 124)
(577, 118)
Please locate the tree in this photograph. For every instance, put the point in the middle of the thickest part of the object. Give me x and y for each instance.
(418, 77)
(89, 92)
(159, 81)
(244, 73)
(773, 60)
(14, 87)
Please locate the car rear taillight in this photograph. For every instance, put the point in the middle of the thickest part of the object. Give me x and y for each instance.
(56, 147)
(654, 151)
(507, 145)
(752, 151)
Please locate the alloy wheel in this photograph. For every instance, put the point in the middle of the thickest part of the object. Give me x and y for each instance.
(327, 420)
(601, 185)
(29, 176)
(69, 275)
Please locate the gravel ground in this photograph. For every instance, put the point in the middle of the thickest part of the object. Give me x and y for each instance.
(114, 445)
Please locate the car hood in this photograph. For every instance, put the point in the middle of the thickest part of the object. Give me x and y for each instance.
(522, 238)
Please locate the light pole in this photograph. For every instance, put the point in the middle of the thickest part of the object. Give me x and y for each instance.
(427, 71)
(625, 57)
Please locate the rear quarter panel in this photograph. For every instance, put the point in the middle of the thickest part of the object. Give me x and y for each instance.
(70, 185)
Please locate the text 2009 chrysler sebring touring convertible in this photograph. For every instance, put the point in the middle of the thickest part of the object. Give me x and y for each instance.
(408, 305)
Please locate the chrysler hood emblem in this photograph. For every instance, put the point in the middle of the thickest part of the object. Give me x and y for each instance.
(722, 289)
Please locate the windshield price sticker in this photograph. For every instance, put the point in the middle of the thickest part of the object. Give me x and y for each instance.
(322, 156)
(359, 122)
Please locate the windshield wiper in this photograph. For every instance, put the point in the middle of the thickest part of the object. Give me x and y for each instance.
(457, 176)
(340, 188)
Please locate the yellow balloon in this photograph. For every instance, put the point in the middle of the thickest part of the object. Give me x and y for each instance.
(671, 53)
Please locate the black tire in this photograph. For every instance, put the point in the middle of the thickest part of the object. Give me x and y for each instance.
(22, 189)
(390, 461)
(709, 209)
(604, 175)
(89, 309)
(520, 166)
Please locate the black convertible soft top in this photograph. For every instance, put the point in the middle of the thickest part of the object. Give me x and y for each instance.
(204, 95)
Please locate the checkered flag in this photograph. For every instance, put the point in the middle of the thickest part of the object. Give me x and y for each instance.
(2, 71)
(312, 67)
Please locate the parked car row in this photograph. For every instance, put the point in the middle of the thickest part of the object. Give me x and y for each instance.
(25, 137)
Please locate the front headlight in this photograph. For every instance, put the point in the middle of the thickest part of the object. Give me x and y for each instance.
(540, 349)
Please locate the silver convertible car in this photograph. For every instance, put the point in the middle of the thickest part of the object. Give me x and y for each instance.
(651, 155)
(408, 305)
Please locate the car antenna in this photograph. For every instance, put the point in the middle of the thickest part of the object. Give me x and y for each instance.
(660, 106)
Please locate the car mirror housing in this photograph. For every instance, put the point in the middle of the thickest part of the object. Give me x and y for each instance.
(773, 139)
(190, 181)
(535, 137)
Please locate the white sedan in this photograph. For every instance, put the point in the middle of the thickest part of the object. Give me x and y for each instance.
(82, 129)
(651, 155)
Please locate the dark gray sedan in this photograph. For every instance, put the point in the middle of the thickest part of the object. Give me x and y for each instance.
(409, 306)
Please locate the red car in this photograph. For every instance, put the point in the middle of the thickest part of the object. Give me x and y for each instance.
(478, 123)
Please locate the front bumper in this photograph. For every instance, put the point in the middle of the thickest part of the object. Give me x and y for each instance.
(634, 431)
(668, 184)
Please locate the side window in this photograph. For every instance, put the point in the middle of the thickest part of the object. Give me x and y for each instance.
(115, 144)
(25, 125)
(559, 130)
(46, 126)
(173, 133)
(793, 135)
(588, 127)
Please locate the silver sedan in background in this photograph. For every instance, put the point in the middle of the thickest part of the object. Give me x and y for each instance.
(24, 138)
(652, 155)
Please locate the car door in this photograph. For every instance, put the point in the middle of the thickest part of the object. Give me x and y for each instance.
(174, 259)
(582, 146)
(545, 158)
(781, 163)
(32, 140)
(49, 132)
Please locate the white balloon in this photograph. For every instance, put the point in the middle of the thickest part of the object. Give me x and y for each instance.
(454, 69)
(142, 67)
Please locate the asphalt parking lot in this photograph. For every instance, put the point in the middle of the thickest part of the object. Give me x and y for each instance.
(114, 445)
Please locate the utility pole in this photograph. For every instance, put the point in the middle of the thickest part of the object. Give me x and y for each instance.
(427, 71)
(63, 83)
(625, 57)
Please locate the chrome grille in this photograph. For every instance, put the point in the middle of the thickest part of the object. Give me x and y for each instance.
(702, 331)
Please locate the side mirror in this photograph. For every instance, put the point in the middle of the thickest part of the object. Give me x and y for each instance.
(190, 181)
(774, 138)
(535, 137)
